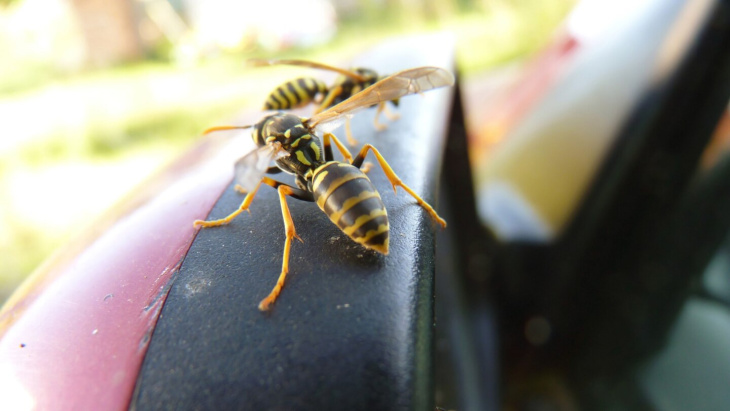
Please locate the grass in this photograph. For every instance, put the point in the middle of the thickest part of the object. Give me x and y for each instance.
(92, 137)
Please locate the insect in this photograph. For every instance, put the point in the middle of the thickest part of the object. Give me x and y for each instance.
(340, 188)
(305, 90)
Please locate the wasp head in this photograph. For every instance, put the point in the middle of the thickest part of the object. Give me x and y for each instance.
(370, 74)
(280, 127)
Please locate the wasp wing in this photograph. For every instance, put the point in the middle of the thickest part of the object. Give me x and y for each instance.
(250, 169)
(403, 83)
(306, 63)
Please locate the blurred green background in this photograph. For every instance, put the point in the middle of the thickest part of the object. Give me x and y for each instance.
(96, 95)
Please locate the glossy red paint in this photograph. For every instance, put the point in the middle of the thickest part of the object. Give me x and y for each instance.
(75, 335)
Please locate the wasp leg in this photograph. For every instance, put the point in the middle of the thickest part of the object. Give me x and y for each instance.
(376, 124)
(383, 108)
(329, 98)
(291, 233)
(395, 181)
(244, 207)
(348, 133)
(295, 192)
(328, 150)
(284, 190)
(388, 114)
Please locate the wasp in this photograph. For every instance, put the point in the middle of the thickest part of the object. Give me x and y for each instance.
(305, 90)
(341, 189)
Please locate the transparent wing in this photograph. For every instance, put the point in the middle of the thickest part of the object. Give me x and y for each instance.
(403, 83)
(305, 63)
(250, 169)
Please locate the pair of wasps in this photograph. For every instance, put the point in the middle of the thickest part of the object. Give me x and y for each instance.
(340, 188)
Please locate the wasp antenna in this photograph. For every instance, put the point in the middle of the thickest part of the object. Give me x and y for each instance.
(253, 62)
(222, 128)
(306, 63)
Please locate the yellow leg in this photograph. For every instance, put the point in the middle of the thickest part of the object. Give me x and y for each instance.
(348, 133)
(244, 207)
(328, 99)
(388, 114)
(345, 152)
(395, 181)
(378, 126)
(265, 304)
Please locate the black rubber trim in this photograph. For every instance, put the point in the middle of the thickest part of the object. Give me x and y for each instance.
(352, 329)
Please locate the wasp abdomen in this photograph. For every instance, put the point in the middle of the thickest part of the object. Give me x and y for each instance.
(351, 201)
(295, 93)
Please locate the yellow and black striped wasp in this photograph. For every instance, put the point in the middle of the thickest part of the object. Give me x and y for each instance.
(340, 188)
(305, 90)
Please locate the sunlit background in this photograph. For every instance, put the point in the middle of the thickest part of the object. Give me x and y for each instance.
(95, 95)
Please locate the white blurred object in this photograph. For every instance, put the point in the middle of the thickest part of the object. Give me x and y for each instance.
(596, 20)
(41, 31)
(273, 24)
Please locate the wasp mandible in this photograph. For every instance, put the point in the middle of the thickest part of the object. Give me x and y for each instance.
(305, 90)
(340, 188)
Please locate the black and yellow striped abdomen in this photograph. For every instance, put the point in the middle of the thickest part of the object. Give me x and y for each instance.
(351, 201)
(295, 93)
